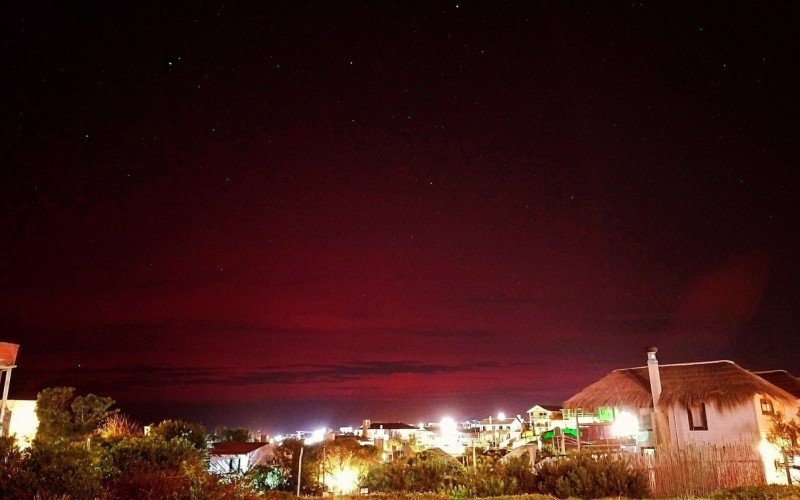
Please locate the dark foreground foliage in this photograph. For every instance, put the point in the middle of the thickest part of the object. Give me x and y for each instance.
(87, 450)
(769, 492)
(587, 476)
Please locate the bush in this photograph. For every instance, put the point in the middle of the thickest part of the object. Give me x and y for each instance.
(264, 478)
(178, 429)
(11, 469)
(153, 467)
(61, 470)
(493, 478)
(587, 476)
(764, 492)
(424, 472)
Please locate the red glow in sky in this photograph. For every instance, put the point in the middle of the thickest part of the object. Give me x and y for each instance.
(275, 216)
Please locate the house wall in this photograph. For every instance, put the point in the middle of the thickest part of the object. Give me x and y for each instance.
(227, 464)
(403, 434)
(775, 474)
(735, 425)
(765, 421)
(23, 422)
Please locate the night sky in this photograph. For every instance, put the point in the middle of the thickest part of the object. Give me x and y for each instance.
(282, 215)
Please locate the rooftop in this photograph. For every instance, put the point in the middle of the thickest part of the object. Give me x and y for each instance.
(722, 382)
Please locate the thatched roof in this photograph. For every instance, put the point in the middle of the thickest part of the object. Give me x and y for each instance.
(782, 379)
(721, 382)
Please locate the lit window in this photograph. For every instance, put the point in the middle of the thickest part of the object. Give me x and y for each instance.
(766, 407)
(697, 417)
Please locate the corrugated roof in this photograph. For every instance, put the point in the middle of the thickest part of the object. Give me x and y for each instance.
(721, 382)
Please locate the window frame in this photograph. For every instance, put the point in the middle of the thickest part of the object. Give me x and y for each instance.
(703, 424)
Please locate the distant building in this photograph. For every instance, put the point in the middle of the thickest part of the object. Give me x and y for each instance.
(21, 421)
(387, 430)
(500, 432)
(541, 417)
(238, 458)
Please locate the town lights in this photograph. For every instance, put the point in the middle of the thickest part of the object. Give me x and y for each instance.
(625, 425)
(501, 416)
(316, 436)
(448, 428)
(342, 480)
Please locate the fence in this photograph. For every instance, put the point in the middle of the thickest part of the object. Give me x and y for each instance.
(700, 469)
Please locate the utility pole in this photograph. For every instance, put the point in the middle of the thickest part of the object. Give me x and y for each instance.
(474, 462)
(299, 470)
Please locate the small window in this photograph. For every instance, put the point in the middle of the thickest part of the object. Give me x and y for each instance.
(697, 417)
(766, 407)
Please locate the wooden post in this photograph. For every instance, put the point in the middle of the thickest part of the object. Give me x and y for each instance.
(788, 468)
(474, 462)
(299, 470)
(6, 384)
(578, 427)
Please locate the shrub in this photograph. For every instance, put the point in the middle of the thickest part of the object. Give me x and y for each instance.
(424, 472)
(264, 478)
(61, 470)
(11, 469)
(178, 429)
(588, 476)
(151, 467)
(764, 492)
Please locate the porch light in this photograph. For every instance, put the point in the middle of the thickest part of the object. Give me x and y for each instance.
(625, 425)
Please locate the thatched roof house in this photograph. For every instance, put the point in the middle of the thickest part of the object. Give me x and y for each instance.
(721, 382)
(782, 379)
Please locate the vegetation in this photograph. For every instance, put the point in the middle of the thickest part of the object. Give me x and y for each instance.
(588, 476)
(86, 449)
(192, 433)
(66, 417)
(232, 435)
(769, 492)
(785, 435)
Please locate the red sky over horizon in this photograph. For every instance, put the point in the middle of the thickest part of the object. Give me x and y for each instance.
(283, 216)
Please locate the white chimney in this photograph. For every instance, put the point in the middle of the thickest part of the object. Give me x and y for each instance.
(655, 376)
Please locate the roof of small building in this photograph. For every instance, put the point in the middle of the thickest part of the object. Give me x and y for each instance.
(722, 382)
(235, 448)
(782, 379)
(546, 407)
(391, 426)
(500, 421)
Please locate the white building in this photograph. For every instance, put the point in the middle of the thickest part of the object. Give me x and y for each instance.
(542, 417)
(500, 432)
(238, 458)
(21, 420)
(679, 405)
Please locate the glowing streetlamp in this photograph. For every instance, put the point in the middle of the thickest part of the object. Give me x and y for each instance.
(448, 429)
(625, 425)
(343, 480)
